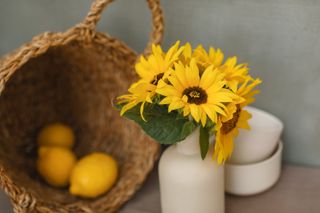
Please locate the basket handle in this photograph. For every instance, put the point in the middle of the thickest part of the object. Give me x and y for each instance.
(98, 6)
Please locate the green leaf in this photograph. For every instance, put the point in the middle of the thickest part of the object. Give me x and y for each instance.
(166, 128)
(204, 142)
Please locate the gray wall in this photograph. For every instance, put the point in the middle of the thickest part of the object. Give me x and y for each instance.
(280, 39)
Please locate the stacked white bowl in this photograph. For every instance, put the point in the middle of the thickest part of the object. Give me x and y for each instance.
(255, 165)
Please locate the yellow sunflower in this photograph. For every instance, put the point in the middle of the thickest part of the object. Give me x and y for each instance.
(235, 73)
(157, 63)
(200, 96)
(150, 71)
(203, 59)
(236, 117)
(138, 93)
(246, 90)
(227, 131)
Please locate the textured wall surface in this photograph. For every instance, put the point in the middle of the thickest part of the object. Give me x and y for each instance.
(280, 39)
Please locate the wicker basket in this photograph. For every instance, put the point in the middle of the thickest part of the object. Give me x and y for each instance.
(71, 77)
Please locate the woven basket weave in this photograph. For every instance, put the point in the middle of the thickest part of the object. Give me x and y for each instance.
(71, 77)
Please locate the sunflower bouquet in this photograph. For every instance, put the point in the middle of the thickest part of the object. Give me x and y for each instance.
(184, 89)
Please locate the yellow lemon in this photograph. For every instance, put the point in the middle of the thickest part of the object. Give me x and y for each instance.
(93, 175)
(56, 134)
(55, 164)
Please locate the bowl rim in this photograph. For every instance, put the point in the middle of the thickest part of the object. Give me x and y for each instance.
(274, 118)
(274, 155)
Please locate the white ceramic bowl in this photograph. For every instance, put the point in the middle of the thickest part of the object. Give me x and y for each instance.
(254, 178)
(257, 144)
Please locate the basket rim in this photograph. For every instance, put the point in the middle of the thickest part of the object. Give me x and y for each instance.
(40, 44)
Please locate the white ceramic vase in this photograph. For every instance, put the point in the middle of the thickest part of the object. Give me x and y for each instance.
(189, 184)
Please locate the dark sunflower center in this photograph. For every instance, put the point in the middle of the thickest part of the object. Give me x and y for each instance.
(196, 95)
(156, 79)
(232, 123)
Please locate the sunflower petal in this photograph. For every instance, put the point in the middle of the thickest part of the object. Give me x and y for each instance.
(186, 110)
(166, 100)
(141, 111)
(180, 75)
(175, 105)
(211, 114)
(192, 74)
(203, 118)
(195, 112)
(187, 52)
(176, 84)
(127, 107)
(168, 91)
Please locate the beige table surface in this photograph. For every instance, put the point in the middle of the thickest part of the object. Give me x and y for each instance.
(298, 191)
